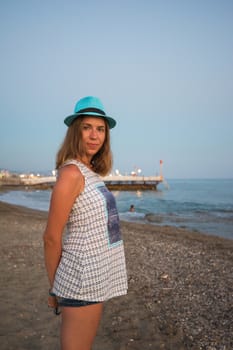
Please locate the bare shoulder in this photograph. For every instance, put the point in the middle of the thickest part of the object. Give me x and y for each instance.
(70, 172)
(71, 177)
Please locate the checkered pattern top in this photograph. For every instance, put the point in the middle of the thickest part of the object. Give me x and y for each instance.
(92, 266)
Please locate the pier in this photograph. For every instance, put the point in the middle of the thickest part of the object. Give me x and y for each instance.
(132, 183)
(113, 182)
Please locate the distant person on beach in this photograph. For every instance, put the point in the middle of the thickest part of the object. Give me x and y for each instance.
(132, 209)
(87, 266)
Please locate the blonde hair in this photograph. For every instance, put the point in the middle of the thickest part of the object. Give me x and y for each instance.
(72, 148)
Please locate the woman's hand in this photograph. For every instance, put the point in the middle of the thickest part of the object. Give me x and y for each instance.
(53, 303)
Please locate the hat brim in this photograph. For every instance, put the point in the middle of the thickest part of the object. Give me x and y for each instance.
(111, 122)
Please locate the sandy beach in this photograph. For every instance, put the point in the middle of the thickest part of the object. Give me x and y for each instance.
(180, 289)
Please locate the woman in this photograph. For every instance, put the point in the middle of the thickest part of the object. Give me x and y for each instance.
(87, 265)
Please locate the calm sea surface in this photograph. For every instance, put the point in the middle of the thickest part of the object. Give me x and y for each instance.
(202, 205)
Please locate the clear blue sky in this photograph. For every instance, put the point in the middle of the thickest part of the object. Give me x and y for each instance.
(163, 69)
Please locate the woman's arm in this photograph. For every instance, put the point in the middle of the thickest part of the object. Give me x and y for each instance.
(69, 185)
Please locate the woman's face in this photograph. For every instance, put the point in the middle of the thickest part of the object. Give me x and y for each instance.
(93, 135)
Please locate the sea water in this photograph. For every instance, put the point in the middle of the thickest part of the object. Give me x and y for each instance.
(202, 205)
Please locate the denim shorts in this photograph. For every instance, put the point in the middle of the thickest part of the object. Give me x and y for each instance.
(75, 302)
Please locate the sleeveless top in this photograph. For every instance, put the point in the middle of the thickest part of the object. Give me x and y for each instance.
(92, 265)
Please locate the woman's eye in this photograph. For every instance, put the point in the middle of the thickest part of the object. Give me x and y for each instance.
(101, 129)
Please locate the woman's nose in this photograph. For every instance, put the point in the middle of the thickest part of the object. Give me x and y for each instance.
(93, 133)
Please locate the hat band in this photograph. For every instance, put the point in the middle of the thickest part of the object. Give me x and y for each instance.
(95, 110)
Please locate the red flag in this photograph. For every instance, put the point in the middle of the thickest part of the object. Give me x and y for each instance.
(161, 162)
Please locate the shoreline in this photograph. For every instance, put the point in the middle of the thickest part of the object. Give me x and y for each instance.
(158, 220)
(179, 297)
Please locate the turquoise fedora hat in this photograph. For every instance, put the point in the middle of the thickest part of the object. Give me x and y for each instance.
(89, 106)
